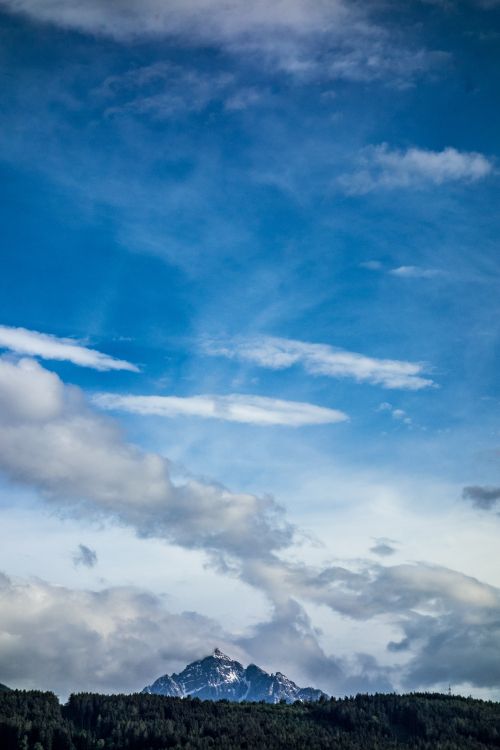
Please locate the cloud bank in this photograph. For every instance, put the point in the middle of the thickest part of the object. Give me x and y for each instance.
(46, 346)
(322, 359)
(255, 410)
(113, 640)
(50, 439)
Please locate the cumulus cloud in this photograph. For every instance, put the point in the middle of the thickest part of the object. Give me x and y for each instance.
(46, 346)
(397, 414)
(449, 621)
(332, 39)
(78, 460)
(113, 640)
(380, 167)
(85, 556)
(485, 498)
(120, 639)
(322, 359)
(290, 639)
(233, 408)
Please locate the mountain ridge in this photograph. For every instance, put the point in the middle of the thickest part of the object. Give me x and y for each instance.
(218, 677)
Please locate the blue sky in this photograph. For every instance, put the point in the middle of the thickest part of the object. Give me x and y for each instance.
(248, 341)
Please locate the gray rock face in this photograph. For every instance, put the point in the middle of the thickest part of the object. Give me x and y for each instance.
(218, 677)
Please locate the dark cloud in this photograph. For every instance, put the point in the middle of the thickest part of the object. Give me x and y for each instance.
(85, 556)
(485, 498)
(455, 651)
(383, 547)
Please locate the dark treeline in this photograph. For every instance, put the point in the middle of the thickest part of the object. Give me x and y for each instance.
(36, 721)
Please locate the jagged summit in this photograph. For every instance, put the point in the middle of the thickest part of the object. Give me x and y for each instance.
(217, 677)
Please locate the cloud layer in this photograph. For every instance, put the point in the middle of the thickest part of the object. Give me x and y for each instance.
(50, 439)
(322, 359)
(335, 40)
(233, 408)
(46, 346)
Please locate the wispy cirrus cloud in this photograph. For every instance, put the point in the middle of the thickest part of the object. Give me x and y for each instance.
(383, 168)
(335, 40)
(47, 346)
(163, 90)
(416, 272)
(321, 359)
(248, 409)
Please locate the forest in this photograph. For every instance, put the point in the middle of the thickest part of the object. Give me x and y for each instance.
(34, 720)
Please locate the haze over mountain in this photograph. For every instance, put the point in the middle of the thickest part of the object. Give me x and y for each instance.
(218, 677)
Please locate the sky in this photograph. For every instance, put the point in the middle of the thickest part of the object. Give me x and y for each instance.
(249, 342)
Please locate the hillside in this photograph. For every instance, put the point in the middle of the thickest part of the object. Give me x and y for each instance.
(35, 720)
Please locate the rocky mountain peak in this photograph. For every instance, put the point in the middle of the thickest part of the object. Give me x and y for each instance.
(217, 677)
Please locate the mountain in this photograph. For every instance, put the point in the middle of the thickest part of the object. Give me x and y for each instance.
(218, 677)
(3, 688)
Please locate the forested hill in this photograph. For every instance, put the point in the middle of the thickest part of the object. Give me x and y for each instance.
(36, 721)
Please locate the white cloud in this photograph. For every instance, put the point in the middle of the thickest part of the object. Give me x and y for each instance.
(116, 639)
(322, 359)
(79, 461)
(334, 39)
(35, 344)
(233, 408)
(416, 272)
(398, 414)
(380, 167)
